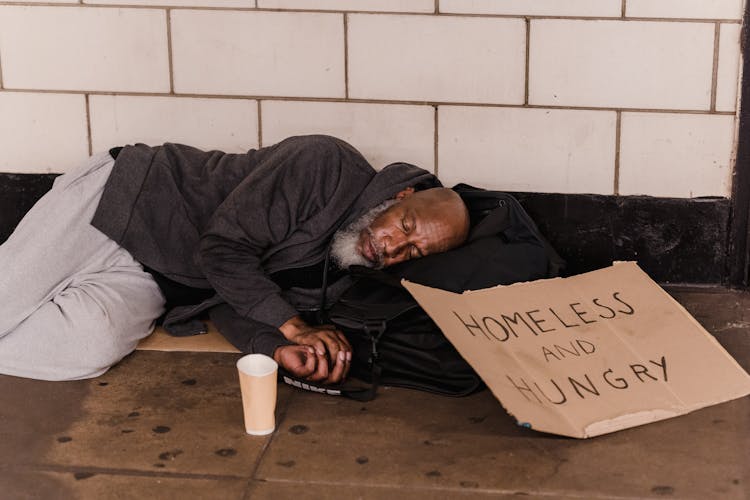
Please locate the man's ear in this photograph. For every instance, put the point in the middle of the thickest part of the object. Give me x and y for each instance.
(404, 193)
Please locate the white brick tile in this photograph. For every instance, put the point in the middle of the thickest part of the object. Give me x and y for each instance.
(630, 64)
(430, 58)
(424, 6)
(243, 4)
(41, 133)
(229, 125)
(729, 66)
(587, 8)
(688, 9)
(84, 48)
(676, 154)
(258, 53)
(522, 149)
(383, 133)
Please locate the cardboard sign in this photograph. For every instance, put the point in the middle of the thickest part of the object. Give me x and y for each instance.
(589, 354)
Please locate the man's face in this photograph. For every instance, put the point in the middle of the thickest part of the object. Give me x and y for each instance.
(414, 227)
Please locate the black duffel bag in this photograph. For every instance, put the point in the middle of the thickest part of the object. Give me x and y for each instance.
(394, 341)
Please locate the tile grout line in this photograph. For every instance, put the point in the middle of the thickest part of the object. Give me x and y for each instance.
(385, 13)
(528, 53)
(169, 51)
(260, 125)
(623, 9)
(346, 55)
(368, 101)
(437, 6)
(618, 133)
(715, 69)
(436, 138)
(88, 125)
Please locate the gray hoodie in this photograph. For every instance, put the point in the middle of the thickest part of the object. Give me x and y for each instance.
(227, 221)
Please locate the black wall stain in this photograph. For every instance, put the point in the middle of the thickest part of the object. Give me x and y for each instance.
(675, 240)
(18, 193)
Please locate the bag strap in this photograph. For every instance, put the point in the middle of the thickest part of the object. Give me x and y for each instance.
(363, 394)
(360, 314)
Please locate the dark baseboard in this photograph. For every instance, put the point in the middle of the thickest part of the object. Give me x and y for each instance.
(674, 240)
(18, 193)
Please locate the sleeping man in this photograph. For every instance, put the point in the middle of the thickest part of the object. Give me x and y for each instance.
(255, 241)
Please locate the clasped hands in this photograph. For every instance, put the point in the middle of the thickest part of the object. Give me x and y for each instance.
(320, 354)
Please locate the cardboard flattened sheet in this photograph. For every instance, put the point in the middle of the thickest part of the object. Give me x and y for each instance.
(212, 341)
(589, 354)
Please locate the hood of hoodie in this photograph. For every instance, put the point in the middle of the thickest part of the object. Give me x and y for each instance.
(310, 244)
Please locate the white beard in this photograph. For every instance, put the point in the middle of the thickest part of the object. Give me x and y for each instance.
(344, 245)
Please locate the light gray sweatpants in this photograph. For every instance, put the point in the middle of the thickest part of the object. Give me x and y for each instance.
(72, 301)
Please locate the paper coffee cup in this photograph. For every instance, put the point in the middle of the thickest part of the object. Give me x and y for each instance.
(258, 385)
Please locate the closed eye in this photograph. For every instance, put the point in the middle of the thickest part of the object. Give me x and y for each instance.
(405, 225)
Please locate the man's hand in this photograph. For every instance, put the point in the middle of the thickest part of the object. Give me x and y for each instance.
(303, 362)
(326, 341)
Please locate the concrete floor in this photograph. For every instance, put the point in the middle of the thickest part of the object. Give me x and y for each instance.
(169, 425)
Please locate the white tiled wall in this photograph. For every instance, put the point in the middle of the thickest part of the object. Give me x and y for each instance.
(444, 59)
(728, 68)
(383, 133)
(229, 125)
(84, 48)
(575, 96)
(696, 9)
(240, 4)
(624, 64)
(521, 149)
(258, 53)
(423, 6)
(42, 132)
(598, 8)
(682, 155)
